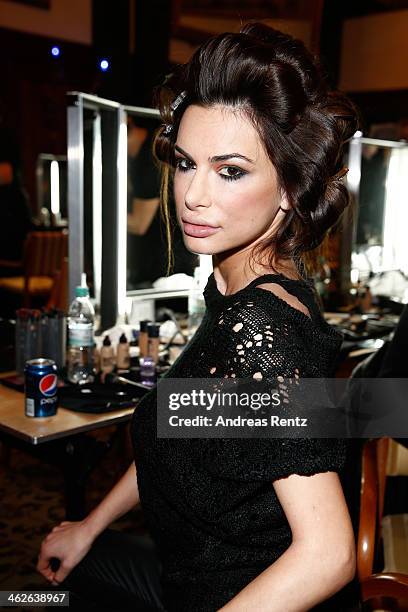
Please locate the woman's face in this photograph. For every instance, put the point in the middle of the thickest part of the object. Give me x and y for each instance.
(225, 186)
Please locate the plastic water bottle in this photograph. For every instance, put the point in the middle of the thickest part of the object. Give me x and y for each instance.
(81, 337)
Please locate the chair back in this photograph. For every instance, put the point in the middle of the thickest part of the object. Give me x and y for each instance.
(385, 590)
(44, 253)
(59, 293)
(382, 449)
(373, 481)
(367, 532)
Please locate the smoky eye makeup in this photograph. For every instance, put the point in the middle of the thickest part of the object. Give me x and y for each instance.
(182, 163)
(235, 173)
(226, 173)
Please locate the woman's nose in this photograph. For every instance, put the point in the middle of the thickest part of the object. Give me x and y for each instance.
(197, 193)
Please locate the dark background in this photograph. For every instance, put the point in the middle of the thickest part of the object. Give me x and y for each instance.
(135, 36)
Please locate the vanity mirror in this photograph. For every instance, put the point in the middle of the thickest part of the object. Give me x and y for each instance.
(378, 181)
(115, 231)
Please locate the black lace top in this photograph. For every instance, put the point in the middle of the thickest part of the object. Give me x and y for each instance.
(210, 504)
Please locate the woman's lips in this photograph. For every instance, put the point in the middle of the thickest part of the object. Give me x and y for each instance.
(199, 231)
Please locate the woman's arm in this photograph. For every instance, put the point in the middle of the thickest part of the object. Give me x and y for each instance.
(123, 497)
(141, 217)
(321, 557)
(70, 541)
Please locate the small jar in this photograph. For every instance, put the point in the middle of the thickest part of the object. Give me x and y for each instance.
(147, 371)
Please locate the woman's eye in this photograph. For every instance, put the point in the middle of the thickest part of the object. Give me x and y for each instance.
(183, 164)
(228, 173)
(231, 173)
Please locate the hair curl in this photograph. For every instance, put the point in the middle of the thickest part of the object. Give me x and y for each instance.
(303, 125)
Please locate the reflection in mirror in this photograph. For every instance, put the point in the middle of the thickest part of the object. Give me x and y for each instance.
(380, 243)
(51, 175)
(395, 253)
(146, 235)
(374, 166)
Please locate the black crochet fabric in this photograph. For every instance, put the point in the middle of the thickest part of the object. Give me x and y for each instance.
(210, 504)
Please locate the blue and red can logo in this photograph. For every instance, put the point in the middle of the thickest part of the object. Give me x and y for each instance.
(48, 385)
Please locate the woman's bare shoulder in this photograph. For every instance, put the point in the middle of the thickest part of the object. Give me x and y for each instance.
(287, 297)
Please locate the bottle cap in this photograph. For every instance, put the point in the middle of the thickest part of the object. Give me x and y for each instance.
(153, 330)
(106, 341)
(81, 291)
(123, 339)
(144, 324)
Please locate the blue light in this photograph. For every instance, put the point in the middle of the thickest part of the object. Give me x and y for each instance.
(104, 65)
(55, 51)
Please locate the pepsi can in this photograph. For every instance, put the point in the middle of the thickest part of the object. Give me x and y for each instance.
(41, 388)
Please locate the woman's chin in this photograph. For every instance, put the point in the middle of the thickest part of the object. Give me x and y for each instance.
(198, 246)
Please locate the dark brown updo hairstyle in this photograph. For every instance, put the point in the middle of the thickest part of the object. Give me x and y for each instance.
(303, 125)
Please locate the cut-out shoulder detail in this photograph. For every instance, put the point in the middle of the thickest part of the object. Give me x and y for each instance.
(235, 308)
(290, 299)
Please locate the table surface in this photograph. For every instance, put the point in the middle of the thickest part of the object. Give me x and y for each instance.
(65, 423)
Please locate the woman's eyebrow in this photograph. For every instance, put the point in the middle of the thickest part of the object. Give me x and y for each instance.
(216, 158)
(229, 156)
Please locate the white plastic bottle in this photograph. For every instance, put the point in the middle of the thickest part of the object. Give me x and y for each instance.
(81, 314)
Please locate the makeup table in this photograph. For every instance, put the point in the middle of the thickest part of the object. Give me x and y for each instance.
(14, 422)
(60, 440)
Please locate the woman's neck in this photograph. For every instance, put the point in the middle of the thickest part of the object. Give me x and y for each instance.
(233, 273)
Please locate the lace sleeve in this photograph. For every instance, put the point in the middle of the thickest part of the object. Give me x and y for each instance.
(251, 344)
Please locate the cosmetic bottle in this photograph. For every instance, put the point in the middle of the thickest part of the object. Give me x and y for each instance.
(153, 332)
(147, 371)
(143, 338)
(107, 357)
(123, 354)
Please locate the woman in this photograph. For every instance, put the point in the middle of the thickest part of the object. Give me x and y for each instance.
(252, 139)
